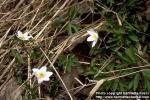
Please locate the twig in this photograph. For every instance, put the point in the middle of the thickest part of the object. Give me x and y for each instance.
(142, 58)
(104, 65)
(29, 70)
(87, 63)
(39, 91)
(78, 81)
(96, 87)
(125, 69)
(116, 77)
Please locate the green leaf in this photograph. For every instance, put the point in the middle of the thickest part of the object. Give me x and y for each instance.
(131, 54)
(93, 63)
(111, 2)
(147, 85)
(73, 12)
(130, 85)
(121, 86)
(115, 85)
(57, 22)
(134, 38)
(34, 53)
(136, 81)
(69, 28)
(17, 55)
(123, 57)
(112, 40)
(72, 28)
(146, 73)
(67, 62)
(145, 27)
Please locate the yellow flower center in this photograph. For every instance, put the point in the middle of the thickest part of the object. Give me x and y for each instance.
(40, 74)
(22, 37)
(94, 36)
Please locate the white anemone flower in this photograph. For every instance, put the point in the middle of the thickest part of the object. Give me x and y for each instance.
(93, 36)
(23, 36)
(42, 74)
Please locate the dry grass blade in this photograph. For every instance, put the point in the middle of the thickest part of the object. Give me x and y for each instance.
(4, 37)
(7, 69)
(96, 87)
(50, 21)
(29, 70)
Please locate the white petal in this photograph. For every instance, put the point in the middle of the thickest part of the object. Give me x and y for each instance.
(48, 74)
(26, 33)
(91, 31)
(93, 43)
(43, 69)
(35, 70)
(40, 80)
(46, 79)
(30, 37)
(25, 38)
(90, 38)
(19, 33)
(22, 36)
